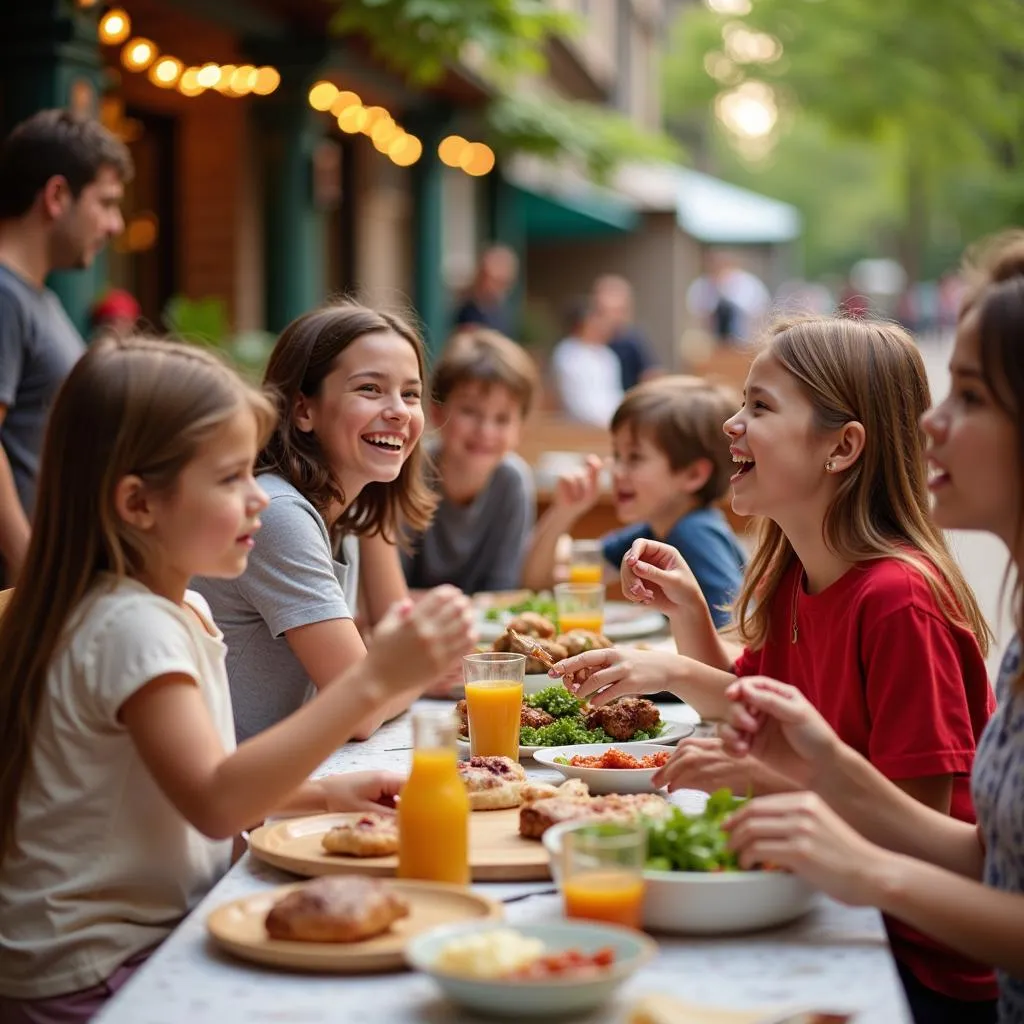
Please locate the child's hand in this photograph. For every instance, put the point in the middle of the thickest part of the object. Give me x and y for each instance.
(577, 492)
(362, 792)
(415, 643)
(778, 725)
(801, 833)
(655, 574)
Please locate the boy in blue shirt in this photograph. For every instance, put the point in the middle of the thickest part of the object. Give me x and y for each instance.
(670, 463)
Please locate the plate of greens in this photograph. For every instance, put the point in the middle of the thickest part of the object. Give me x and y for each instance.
(693, 882)
(573, 722)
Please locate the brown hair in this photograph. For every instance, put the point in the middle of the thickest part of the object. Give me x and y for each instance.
(481, 355)
(56, 143)
(873, 373)
(994, 309)
(303, 356)
(683, 417)
(129, 406)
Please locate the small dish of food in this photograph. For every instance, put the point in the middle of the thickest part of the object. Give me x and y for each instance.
(531, 970)
(693, 884)
(621, 768)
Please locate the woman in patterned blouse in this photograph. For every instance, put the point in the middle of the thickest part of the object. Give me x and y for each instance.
(857, 836)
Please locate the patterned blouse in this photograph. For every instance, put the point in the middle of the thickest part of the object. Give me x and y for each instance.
(997, 785)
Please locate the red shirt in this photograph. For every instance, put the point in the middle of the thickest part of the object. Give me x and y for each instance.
(900, 684)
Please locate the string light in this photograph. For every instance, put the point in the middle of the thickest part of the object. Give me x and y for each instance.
(405, 150)
(209, 75)
(138, 54)
(322, 95)
(267, 80)
(373, 115)
(352, 120)
(188, 84)
(243, 81)
(344, 100)
(115, 27)
(165, 72)
(450, 149)
(477, 159)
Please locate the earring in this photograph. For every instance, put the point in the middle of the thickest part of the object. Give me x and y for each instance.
(830, 466)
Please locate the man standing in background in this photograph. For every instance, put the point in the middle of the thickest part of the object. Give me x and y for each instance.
(61, 185)
(486, 305)
(613, 297)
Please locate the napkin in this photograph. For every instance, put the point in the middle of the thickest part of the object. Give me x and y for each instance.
(662, 1009)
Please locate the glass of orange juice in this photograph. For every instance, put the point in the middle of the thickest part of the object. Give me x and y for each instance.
(494, 701)
(586, 563)
(602, 873)
(580, 606)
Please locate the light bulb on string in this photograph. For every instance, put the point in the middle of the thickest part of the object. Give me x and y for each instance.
(450, 149)
(165, 72)
(477, 159)
(115, 27)
(267, 80)
(138, 54)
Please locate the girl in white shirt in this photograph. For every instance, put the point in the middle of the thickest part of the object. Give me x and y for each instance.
(120, 785)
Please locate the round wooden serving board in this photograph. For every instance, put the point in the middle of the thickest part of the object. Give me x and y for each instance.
(239, 928)
(497, 853)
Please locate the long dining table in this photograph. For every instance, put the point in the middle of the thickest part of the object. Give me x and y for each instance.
(833, 958)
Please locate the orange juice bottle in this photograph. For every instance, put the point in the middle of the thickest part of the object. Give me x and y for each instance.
(494, 707)
(616, 897)
(433, 806)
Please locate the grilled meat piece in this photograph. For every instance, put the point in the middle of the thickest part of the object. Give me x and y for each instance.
(534, 717)
(624, 717)
(576, 641)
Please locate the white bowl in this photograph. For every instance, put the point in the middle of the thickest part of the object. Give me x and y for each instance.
(604, 780)
(518, 998)
(707, 902)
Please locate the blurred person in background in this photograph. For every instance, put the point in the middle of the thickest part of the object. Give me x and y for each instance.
(728, 301)
(587, 373)
(115, 315)
(61, 184)
(486, 304)
(613, 297)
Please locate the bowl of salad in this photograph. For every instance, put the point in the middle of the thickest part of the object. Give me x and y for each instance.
(693, 882)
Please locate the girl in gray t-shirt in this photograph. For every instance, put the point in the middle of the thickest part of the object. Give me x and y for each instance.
(343, 471)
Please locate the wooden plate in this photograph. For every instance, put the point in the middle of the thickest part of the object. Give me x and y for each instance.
(497, 853)
(239, 928)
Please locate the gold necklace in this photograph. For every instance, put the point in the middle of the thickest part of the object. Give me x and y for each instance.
(796, 598)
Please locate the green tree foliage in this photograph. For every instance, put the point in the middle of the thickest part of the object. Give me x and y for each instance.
(930, 87)
(420, 38)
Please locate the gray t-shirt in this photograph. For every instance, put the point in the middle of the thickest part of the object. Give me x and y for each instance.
(38, 347)
(293, 579)
(479, 546)
(997, 785)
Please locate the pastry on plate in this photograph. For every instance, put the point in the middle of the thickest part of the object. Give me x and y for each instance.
(369, 835)
(493, 782)
(571, 789)
(346, 908)
(537, 817)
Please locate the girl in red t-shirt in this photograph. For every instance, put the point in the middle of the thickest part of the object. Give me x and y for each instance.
(851, 595)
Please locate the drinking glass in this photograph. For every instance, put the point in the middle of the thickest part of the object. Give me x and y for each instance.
(580, 606)
(602, 873)
(586, 562)
(494, 701)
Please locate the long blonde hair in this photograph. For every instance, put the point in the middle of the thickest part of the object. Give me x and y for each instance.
(872, 373)
(130, 406)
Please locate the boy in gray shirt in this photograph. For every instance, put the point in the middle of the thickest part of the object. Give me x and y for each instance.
(483, 387)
